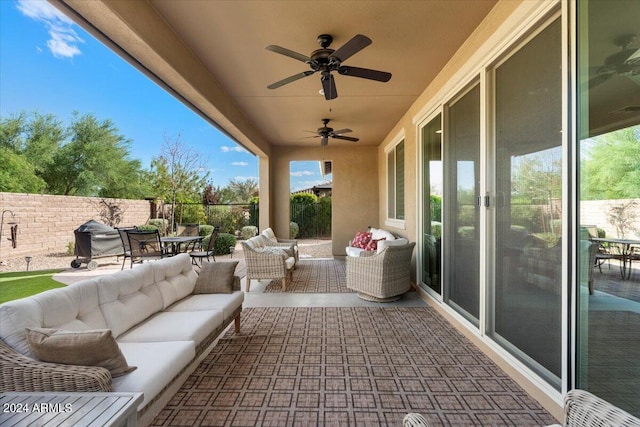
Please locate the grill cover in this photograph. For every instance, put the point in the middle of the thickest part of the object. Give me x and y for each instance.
(95, 239)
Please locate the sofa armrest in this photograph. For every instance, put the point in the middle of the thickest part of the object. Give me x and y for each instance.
(21, 373)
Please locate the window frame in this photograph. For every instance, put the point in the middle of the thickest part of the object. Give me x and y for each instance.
(392, 180)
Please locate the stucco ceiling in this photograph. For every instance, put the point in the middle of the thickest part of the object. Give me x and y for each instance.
(413, 40)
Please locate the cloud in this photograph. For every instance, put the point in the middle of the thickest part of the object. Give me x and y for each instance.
(302, 173)
(237, 148)
(64, 40)
(239, 164)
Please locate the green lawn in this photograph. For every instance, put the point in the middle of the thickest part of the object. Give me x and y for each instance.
(26, 283)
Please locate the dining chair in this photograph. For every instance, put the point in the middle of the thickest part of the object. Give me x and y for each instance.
(126, 248)
(208, 253)
(145, 245)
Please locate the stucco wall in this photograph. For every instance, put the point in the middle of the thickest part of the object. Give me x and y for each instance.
(355, 189)
(46, 222)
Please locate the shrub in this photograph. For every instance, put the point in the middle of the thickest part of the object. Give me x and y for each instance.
(205, 230)
(147, 227)
(223, 243)
(293, 230)
(248, 231)
(161, 224)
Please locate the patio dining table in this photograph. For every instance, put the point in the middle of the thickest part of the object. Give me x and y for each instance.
(625, 254)
(176, 242)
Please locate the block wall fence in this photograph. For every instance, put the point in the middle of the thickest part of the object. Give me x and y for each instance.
(596, 212)
(46, 222)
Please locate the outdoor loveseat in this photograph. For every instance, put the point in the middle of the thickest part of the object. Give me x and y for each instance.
(161, 314)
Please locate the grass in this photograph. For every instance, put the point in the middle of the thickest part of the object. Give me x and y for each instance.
(26, 283)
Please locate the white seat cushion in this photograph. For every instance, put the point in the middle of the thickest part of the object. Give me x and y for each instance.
(382, 244)
(157, 362)
(228, 303)
(175, 326)
(290, 263)
(378, 233)
(352, 251)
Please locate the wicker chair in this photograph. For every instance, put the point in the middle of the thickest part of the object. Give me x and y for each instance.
(21, 373)
(583, 409)
(267, 264)
(381, 277)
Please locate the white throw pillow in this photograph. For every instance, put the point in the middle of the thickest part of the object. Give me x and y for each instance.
(382, 244)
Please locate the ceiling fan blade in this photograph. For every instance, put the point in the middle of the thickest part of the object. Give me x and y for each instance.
(287, 52)
(329, 86)
(290, 79)
(346, 138)
(365, 73)
(350, 48)
(341, 131)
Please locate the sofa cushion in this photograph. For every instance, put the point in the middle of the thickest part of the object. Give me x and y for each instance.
(216, 277)
(74, 307)
(175, 326)
(129, 297)
(228, 303)
(351, 251)
(153, 372)
(383, 244)
(85, 348)
(175, 278)
(361, 239)
(378, 233)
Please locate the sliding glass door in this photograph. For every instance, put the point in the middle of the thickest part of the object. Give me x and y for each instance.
(462, 199)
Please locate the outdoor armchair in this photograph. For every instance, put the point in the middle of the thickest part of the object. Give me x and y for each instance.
(272, 240)
(381, 277)
(267, 262)
(584, 409)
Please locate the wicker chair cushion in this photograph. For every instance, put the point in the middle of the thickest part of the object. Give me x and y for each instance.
(85, 348)
(270, 236)
(216, 278)
(378, 233)
(383, 244)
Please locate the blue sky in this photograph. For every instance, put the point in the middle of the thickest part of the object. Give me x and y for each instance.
(51, 65)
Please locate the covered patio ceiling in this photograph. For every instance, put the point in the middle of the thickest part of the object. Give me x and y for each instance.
(212, 54)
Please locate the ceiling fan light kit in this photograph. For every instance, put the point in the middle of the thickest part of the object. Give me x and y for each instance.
(326, 60)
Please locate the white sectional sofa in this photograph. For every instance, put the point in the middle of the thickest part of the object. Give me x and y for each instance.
(383, 239)
(160, 326)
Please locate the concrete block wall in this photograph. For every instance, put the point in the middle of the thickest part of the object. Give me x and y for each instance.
(596, 212)
(46, 222)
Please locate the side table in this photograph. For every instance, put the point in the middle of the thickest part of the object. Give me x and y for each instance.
(69, 409)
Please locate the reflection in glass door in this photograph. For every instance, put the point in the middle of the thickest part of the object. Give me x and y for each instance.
(462, 197)
(527, 293)
(431, 276)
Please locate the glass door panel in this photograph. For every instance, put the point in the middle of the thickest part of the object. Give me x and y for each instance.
(431, 276)
(608, 324)
(528, 272)
(462, 192)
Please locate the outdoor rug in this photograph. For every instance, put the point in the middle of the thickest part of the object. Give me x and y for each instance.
(315, 276)
(354, 366)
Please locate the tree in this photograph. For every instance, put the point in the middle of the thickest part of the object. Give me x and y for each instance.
(178, 175)
(87, 158)
(242, 191)
(611, 169)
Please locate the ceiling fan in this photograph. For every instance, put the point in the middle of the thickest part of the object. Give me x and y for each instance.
(326, 132)
(326, 60)
(624, 63)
